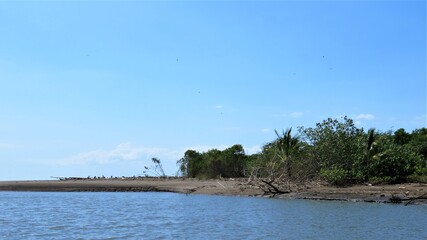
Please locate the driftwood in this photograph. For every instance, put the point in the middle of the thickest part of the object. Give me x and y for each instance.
(424, 196)
(395, 198)
(270, 188)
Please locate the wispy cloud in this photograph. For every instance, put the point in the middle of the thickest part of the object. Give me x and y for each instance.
(265, 130)
(205, 148)
(219, 106)
(7, 146)
(365, 116)
(127, 152)
(253, 150)
(420, 120)
(122, 152)
(296, 114)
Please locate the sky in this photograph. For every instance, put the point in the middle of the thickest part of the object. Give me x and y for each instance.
(91, 88)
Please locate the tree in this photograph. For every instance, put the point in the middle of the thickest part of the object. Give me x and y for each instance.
(370, 144)
(233, 161)
(393, 163)
(213, 163)
(419, 141)
(286, 146)
(419, 144)
(157, 169)
(335, 149)
(212, 166)
(337, 146)
(401, 137)
(191, 164)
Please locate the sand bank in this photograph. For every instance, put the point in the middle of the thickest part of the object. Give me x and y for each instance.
(234, 187)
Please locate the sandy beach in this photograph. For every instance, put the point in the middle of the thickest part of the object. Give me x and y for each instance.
(232, 187)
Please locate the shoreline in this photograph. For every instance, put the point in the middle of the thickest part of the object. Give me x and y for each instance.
(230, 187)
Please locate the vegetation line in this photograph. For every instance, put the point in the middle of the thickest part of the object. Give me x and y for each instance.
(335, 150)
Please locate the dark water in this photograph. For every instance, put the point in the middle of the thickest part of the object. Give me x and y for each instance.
(35, 215)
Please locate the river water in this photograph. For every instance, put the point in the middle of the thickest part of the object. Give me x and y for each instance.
(59, 215)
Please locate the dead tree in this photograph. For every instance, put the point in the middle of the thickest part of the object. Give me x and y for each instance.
(422, 197)
(270, 188)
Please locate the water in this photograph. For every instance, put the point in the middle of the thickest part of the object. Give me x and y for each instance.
(38, 215)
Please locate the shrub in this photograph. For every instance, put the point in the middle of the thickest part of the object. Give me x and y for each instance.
(396, 162)
(336, 175)
(381, 180)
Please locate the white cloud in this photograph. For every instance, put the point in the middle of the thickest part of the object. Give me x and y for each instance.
(296, 114)
(420, 120)
(7, 146)
(136, 156)
(219, 106)
(265, 130)
(253, 150)
(129, 152)
(204, 148)
(365, 116)
(122, 152)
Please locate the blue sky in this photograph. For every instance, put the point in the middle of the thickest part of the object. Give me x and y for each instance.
(99, 88)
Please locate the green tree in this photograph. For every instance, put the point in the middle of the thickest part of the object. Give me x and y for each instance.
(370, 151)
(419, 144)
(191, 164)
(212, 166)
(335, 149)
(338, 146)
(393, 163)
(286, 147)
(233, 161)
(284, 158)
(263, 164)
(401, 137)
(419, 141)
(213, 163)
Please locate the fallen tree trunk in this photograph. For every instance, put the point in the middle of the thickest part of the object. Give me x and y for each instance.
(270, 188)
(423, 196)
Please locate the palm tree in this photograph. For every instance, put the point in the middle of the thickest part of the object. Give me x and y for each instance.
(286, 147)
(369, 150)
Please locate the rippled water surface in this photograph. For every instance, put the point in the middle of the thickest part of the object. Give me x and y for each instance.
(38, 215)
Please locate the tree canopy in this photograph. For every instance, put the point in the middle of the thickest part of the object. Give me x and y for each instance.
(335, 150)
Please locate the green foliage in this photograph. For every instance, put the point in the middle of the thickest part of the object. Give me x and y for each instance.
(191, 164)
(213, 163)
(286, 147)
(381, 180)
(401, 137)
(336, 175)
(335, 150)
(233, 160)
(337, 146)
(285, 158)
(419, 142)
(394, 162)
(419, 178)
(371, 143)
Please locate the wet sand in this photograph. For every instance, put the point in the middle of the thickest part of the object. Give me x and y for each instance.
(233, 187)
